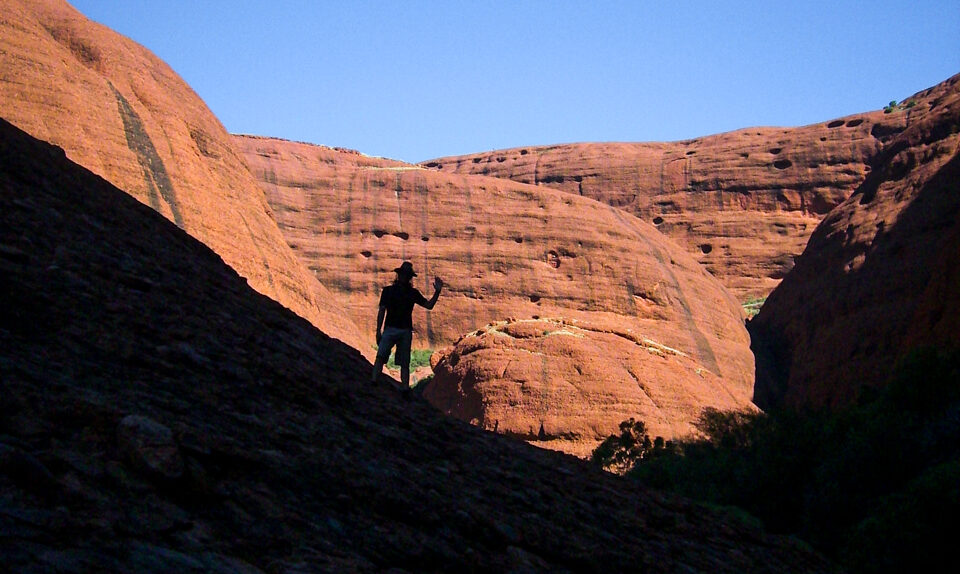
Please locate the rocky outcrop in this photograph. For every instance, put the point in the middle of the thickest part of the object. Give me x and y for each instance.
(879, 275)
(115, 108)
(158, 415)
(505, 250)
(742, 203)
(567, 385)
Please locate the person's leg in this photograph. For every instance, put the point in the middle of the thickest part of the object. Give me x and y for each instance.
(377, 369)
(402, 357)
(383, 354)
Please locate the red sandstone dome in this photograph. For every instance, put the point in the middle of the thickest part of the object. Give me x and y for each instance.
(742, 203)
(117, 109)
(511, 250)
(879, 276)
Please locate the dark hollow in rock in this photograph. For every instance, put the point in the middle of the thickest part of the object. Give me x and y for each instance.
(782, 163)
(706, 248)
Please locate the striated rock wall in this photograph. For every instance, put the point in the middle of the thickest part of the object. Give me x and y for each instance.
(117, 109)
(879, 275)
(509, 250)
(743, 203)
(158, 415)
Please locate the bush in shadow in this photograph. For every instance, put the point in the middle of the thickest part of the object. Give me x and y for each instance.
(868, 485)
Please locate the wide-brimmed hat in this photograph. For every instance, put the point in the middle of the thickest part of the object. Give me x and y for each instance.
(406, 268)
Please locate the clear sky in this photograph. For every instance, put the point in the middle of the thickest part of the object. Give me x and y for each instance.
(418, 80)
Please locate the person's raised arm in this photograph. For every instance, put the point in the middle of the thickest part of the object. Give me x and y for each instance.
(437, 287)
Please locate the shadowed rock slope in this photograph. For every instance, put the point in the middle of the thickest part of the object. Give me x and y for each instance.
(157, 415)
(879, 276)
(510, 250)
(118, 110)
(742, 203)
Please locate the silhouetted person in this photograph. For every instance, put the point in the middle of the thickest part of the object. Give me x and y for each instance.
(396, 306)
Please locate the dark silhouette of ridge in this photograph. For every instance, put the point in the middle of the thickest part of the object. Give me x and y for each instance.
(158, 415)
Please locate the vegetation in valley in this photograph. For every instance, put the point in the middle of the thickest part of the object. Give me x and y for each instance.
(752, 305)
(869, 485)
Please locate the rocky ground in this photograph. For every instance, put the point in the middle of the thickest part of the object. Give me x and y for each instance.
(157, 415)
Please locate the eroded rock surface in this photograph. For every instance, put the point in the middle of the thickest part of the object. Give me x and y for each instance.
(118, 110)
(291, 462)
(743, 203)
(879, 276)
(505, 250)
(566, 385)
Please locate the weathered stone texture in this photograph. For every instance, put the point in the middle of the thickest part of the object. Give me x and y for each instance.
(117, 109)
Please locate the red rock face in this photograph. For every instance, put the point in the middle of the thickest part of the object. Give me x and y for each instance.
(742, 203)
(118, 110)
(508, 249)
(130, 442)
(879, 276)
(566, 385)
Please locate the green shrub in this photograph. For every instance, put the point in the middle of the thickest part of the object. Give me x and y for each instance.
(418, 358)
(619, 453)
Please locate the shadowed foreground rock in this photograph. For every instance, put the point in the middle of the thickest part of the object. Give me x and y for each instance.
(879, 276)
(121, 112)
(287, 462)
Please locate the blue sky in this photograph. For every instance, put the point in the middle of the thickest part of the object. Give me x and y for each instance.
(419, 80)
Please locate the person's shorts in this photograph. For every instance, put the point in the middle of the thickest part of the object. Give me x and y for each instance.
(402, 338)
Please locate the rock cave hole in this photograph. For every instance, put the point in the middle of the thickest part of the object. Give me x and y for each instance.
(553, 258)
(776, 151)
(378, 233)
(476, 160)
(518, 239)
(835, 124)
(366, 253)
(691, 152)
(706, 248)
(424, 238)
(657, 220)
(402, 235)
(524, 152)
(534, 298)
(854, 123)
(782, 163)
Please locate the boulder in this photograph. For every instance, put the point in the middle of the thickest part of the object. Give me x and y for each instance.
(149, 446)
(566, 384)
